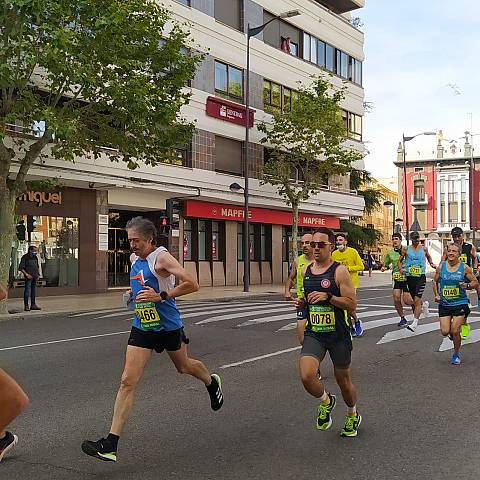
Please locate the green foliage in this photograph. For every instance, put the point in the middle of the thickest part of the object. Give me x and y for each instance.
(308, 140)
(99, 74)
(358, 236)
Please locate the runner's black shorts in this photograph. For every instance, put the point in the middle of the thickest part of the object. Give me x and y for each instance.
(454, 311)
(400, 286)
(340, 351)
(302, 313)
(159, 341)
(416, 285)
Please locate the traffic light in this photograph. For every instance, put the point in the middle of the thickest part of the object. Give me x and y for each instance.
(31, 223)
(174, 209)
(21, 230)
(164, 228)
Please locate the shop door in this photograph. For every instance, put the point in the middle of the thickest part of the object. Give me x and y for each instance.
(118, 258)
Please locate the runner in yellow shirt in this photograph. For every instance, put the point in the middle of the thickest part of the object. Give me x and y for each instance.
(349, 257)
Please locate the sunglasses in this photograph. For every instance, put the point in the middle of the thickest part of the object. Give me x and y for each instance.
(320, 244)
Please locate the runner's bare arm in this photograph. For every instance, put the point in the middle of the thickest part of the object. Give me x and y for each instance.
(429, 258)
(166, 263)
(3, 293)
(472, 281)
(401, 259)
(436, 279)
(291, 279)
(348, 299)
(475, 259)
(444, 254)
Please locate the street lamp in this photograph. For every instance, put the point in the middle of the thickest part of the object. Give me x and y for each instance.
(251, 32)
(404, 140)
(388, 203)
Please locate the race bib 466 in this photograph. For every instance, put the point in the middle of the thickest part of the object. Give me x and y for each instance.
(147, 314)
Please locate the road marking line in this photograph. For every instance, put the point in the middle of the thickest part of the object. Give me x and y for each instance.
(63, 341)
(227, 309)
(289, 326)
(261, 357)
(238, 315)
(95, 312)
(375, 313)
(275, 318)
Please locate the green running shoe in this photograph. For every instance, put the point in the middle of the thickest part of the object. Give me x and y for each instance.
(324, 419)
(465, 331)
(351, 426)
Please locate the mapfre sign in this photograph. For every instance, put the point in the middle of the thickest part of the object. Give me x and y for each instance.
(41, 198)
(220, 211)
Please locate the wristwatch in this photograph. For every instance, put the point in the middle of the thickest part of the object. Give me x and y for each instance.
(163, 295)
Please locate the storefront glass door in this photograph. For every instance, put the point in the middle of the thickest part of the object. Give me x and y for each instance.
(118, 258)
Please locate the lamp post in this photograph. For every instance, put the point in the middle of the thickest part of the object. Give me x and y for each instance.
(404, 140)
(251, 32)
(388, 203)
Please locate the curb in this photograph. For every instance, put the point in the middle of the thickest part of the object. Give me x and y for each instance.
(30, 315)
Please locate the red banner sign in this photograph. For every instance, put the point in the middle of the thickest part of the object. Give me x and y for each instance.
(218, 211)
(228, 111)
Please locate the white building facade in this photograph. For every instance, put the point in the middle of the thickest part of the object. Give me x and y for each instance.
(203, 227)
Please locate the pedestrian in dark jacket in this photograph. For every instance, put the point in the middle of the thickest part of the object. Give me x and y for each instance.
(31, 271)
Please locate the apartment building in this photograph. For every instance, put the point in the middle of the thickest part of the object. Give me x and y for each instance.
(83, 244)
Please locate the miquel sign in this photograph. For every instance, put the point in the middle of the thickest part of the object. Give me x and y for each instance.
(41, 198)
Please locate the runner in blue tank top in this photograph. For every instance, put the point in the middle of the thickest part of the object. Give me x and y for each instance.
(450, 288)
(156, 326)
(414, 257)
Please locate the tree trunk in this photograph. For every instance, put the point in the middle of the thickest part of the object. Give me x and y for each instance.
(295, 229)
(7, 216)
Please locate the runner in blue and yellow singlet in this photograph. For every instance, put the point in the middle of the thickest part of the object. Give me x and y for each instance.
(156, 326)
(412, 264)
(452, 278)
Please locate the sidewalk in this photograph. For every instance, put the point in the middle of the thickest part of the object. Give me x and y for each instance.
(113, 299)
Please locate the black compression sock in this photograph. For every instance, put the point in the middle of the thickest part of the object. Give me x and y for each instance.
(113, 439)
(213, 386)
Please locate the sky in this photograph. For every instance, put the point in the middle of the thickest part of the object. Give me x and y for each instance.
(421, 73)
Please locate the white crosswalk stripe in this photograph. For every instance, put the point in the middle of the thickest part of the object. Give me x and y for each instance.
(230, 316)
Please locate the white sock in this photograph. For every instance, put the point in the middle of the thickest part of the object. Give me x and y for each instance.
(351, 410)
(324, 397)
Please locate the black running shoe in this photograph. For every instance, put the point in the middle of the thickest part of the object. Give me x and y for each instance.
(215, 392)
(7, 444)
(101, 449)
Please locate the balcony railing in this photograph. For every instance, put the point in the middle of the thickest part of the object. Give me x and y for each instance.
(416, 200)
(447, 226)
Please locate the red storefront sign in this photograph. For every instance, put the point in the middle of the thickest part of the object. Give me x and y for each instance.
(228, 111)
(218, 211)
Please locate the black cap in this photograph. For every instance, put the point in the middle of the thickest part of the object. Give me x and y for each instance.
(456, 231)
(414, 235)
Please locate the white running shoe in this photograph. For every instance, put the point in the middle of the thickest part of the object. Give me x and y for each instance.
(413, 326)
(425, 310)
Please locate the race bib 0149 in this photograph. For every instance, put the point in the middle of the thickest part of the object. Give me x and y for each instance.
(450, 292)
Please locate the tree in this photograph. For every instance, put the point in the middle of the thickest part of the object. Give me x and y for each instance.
(359, 236)
(306, 145)
(89, 74)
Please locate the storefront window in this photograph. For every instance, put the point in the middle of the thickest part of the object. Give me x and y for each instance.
(215, 240)
(240, 241)
(58, 247)
(202, 240)
(187, 240)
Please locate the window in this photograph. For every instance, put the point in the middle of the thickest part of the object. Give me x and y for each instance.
(228, 12)
(215, 241)
(320, 53)
(329, 58)
(228, 81)
(276, 98)
(306, 46)
(418, 169)
(240, 241)
(418, 190)
(280, 34)
(453, 212)
(464, 212)
(184, 2)
(57, 240)
(342, 64)
(187, 240)
(442, 212)
(202, 240)
(228, 155)
(184, 157)
(353, 124)
(355, 73)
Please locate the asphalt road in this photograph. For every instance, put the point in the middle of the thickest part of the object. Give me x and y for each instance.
(419, 412)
